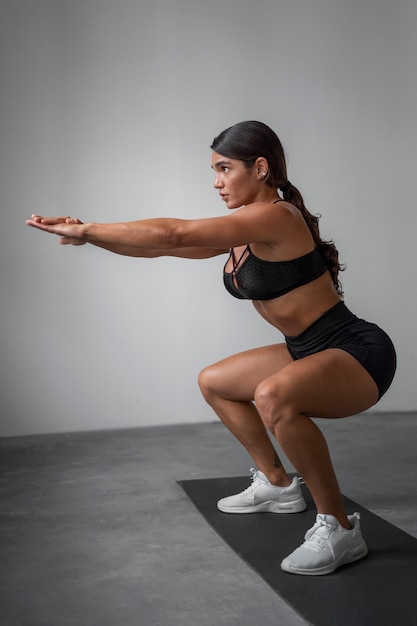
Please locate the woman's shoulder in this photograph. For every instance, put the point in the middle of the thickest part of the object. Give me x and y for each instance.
(279, 213)
(285, 226)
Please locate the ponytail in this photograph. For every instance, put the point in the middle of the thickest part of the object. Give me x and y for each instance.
(327, 248)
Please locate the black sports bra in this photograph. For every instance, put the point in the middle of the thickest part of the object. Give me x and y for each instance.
(256, 279)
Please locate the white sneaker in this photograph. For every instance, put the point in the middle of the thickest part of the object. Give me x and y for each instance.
(263, 497)
(327, 546)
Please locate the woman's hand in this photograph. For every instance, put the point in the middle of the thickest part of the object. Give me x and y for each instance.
(69, 229)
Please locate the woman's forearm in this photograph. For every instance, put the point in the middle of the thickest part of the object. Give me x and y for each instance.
(126, 250)
(152, 234)
(184, 253)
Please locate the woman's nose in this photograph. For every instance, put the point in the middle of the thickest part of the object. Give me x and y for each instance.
(217, 183)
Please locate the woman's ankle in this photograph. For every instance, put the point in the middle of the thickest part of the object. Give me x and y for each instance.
(277, 477)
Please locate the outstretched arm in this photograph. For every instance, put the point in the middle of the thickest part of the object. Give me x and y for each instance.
(67, 228)
(261, 222)
(184, 253)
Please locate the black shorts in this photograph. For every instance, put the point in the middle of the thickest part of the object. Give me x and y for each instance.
(339, 328)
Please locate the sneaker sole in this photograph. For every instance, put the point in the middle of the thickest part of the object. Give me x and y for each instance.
(267, 507)
(345, 559)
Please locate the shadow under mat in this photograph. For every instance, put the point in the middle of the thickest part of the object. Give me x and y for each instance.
(377, 590)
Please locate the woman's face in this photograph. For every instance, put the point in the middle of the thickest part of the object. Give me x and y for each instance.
(237, 185)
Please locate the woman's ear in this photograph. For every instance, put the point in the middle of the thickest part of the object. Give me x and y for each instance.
(261, 168)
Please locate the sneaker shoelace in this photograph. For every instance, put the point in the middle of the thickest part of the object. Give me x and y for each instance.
(255, 479)
(318, 536)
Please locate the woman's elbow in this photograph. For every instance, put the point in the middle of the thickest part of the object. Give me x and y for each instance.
(173, 236)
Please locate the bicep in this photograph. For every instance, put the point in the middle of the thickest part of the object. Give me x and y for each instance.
(193, 253)
(247, 225)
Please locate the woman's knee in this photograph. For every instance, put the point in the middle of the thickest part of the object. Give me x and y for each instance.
(274, 403)
(209, 381)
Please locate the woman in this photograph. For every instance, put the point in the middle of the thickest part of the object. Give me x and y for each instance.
(331, 365)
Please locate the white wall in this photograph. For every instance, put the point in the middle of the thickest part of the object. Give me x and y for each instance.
(108, 109)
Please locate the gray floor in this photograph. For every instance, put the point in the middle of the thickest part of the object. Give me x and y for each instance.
(95, 531)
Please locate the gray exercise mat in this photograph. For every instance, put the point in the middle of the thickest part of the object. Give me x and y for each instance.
(378, 590)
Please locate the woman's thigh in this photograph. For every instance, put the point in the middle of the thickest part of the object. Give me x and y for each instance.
(237, 377)
(329, 384)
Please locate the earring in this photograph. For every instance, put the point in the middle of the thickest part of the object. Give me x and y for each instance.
(263, 175)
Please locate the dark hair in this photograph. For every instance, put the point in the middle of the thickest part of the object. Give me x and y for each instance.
(247, 141)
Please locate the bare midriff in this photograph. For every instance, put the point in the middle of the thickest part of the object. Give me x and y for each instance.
(295, 311)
